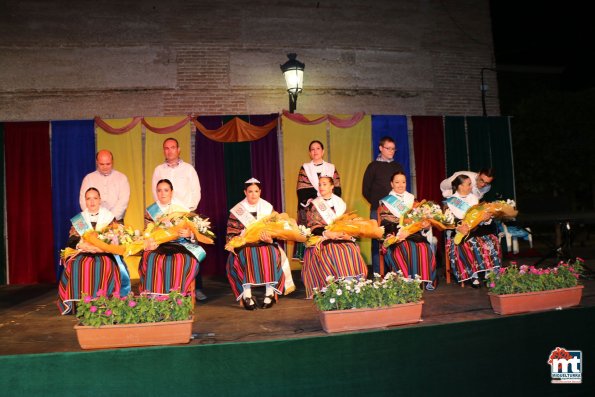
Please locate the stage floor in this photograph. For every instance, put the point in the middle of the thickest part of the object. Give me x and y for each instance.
(30, 321)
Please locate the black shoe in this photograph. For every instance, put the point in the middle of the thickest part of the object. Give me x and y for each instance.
(249, 303)
(269, 305)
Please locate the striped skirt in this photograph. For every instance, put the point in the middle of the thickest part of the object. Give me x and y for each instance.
(331, 258)
(412, 258)
(255, 265)
(94, 275)
(475, 255)
(160, 273)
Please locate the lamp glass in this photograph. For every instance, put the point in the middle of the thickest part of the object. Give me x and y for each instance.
(294, 78)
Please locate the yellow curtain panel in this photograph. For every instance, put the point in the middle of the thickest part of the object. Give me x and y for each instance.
(350, 152)
(127, 151)
(154, 148)
(296, 138)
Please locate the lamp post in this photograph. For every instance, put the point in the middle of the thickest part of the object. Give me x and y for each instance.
(484, 89)
(293, 71)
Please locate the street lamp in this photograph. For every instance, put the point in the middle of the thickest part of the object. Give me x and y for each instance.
(293, 71)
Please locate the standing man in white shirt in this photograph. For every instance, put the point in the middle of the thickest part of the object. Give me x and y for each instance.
(186, 185)
(182, 175)
(113, 185)
(481, 182)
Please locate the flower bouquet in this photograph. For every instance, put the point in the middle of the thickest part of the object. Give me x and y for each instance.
(114, 239)
(353, 225)
(278, 226)
(413, 220)
(474, 216)
(352, 304)
(527, 288)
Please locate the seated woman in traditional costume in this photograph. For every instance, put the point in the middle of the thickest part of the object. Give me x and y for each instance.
(307, 185)
(253, 264)
(337, 254)
(172, 265)
(414, 255)
(480, 251)
(92, 271)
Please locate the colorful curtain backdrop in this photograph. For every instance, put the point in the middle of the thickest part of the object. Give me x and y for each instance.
(351, 156)
(223, 167)
(490, 146)
(154, 148)
(428, 147)
(3, 269)
(73, 157)
(296, 138)
(455, 139)
(29, 203)
(396, 128)
(128, 159)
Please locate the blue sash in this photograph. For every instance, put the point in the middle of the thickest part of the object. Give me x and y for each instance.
(154, 211)
(196, 250)
(458, 203)
(397, 204)
(124, 276)
(80, 224)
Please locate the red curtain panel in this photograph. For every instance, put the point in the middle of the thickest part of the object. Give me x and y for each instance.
(428, 145)
(29, 203)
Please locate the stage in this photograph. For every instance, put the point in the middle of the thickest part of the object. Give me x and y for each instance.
(284, 351)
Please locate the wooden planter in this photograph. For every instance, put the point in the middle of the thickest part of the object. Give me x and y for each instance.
(536, 301)
(128, 335)
(358, 319)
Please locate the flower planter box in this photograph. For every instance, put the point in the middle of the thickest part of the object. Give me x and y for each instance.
(358, 319)
(128, 335)
(536, 301)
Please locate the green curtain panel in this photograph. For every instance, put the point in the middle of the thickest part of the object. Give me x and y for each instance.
(238, 166)
(455, 144)
(490, 146)
(2, 220)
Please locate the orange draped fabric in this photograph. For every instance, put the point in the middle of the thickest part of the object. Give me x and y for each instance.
(135, 120)
(236, 130)
(334, 120)
(107, 128)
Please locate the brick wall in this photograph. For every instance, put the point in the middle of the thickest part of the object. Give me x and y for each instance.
(74, 60)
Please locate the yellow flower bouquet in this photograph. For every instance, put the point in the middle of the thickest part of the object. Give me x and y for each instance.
(278, 226)
(414, 220)
(474, 216)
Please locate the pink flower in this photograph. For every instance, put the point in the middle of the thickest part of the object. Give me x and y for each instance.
(100, 292)
(116, 295)
(547, 271)
(132, 303)
(88, 299)
(179, 302)
(108, 312)
(502, 270)
(492, 285)
(93, 309)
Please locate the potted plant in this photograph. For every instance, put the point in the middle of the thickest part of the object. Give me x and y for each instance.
(527, 288)
(131, 320)
(358, 303)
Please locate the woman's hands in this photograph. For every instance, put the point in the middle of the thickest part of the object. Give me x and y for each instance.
(462, 228)
(84, 246)
(266, 237)
(150, 245)
(336, 235)
(184, 233)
